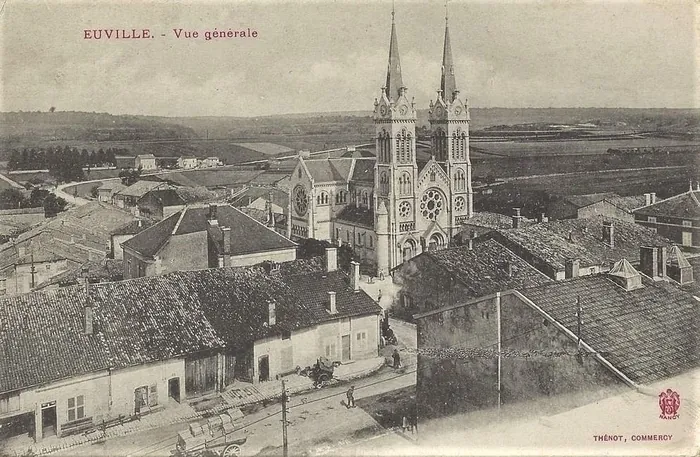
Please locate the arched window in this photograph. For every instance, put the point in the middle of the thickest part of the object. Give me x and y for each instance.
(460, 181)
(454, 145)
(384, 183)
(409, 147)
(463, 147)
(440, 145)
(365, 198)
(322, 198)
(405, 184)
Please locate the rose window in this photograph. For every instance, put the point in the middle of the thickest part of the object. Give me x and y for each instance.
(301, 204)
(459, 204)
(431, 204)
(404, 210)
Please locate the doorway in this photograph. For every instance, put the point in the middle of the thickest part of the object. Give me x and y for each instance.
(345, 344)
(48, 419)
(174, 389)
(263, 368)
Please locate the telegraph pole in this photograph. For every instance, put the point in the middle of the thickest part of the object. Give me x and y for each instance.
(284, 420)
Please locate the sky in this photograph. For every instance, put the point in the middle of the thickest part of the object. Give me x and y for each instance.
(325, 56)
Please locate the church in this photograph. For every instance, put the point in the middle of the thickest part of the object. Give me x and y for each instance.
(393, 206)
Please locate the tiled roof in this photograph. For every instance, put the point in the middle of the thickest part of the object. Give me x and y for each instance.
(218, 177)
(247, 235)
(685, 205)
(356, 216)
(42, 335)
(133, 227)
(141, 188)
(581, 201)
(648, 333)
(549, 241)
(235, 300)
(627, 203)
(329, 170)
(263, 216)
(364, 170)
(104, 270)
(160, 317)
(485, 269)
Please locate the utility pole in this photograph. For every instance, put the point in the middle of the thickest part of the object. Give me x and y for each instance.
(579, 318)
(284, 420)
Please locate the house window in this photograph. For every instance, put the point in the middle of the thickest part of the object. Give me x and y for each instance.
(651, 219)
(687, 223)
(76, 408)
(406, 300)
(146, 396)
(361, 341)
(371, 242)
(330, 349)
(286, 334)
(9, 403)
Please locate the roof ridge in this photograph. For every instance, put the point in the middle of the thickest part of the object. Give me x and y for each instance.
(177, 224)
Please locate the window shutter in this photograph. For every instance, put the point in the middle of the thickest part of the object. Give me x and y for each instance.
(153, 395)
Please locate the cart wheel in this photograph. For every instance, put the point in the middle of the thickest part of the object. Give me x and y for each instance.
(232, 450)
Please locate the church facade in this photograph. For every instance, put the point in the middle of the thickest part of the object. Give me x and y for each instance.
(391, 207)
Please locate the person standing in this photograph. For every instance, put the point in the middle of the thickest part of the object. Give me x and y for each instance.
(397, 358)
(351, 397)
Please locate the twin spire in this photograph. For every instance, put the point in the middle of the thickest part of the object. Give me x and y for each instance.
(394, 82)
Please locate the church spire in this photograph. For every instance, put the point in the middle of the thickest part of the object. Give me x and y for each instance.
(394, 83)
(447, 82)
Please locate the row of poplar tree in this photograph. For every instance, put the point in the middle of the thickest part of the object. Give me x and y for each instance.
(65, 163)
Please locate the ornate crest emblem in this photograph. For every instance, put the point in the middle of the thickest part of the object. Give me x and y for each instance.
(669, 402)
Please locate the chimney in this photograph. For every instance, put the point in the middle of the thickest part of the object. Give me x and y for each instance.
(647, 199)
(226, 232)
(472, 237)
(625, 276)
(516, 218)
(355, 276)
(140, 223)
(331, 303)
(212, 217)
(609, 233)
(331, 259)
(271, 313)
(571, 268)
(88, 320)
(652, 261)
(653, 197)
(697, 186)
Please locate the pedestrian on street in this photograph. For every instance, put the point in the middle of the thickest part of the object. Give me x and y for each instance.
(351, 397)
(397, 358)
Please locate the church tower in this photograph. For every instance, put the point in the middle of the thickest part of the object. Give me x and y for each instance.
(396, 168)
(449, 125)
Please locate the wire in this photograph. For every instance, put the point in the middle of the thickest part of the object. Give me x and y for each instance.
(275, 413)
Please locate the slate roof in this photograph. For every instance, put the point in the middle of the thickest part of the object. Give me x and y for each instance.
(329, 170)
(685, 206)
(160, 317)
(364, 170)
(356, 216)
(279, 196)
(484, 269)
(247, 235)
(627, 203)
(648, 334)
(549, 241)
(42, 336)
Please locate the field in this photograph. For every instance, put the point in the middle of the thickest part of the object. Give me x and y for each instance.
(532, 194)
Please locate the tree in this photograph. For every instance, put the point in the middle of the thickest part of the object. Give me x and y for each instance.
(37, 197)
(53, 205)
(11, 199)
(52, 109)
(130, 176)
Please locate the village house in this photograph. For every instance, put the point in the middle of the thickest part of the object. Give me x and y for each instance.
(609, 205)
(586, 246)
(211, 162)
(202, 237)
(563, 341)
(57, 245)
(107, 190)
(75, 361)
(125, 162)
(677, 217)
(161, 203)
(14, 221)
(433, 280)
(199, 331)
(145, 162)
(124, 233)
(187, 162)
(277, 317)
(129, 196)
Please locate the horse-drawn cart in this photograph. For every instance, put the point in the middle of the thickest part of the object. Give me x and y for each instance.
(217, 437)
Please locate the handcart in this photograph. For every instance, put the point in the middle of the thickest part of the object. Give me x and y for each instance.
(217, 437)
